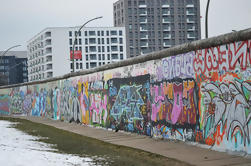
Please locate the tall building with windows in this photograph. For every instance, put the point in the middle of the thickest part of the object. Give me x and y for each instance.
(13, 67)
(50, 51)
(153, 25)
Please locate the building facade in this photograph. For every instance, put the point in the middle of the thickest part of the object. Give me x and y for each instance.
(13, 67)
(153, 25)
(50, 53)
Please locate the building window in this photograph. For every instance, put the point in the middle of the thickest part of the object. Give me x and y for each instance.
(87, 65)
(79, 41)
(120, 40)
(113, 33)
(77, 66)
(121, 48)
(114, 40)
(70, 33)
(120, 33)
(107, 41)
(85, 33)
(108, 49)
(81, 66)
(93, 49)
(71, 66)
(99, 56)
(92, 33)
(114, 56)
(70, 41)
(102, 33)
(109, 56)
(93, 64)
(121, 56)
(107, 33)
(114, 48)
(103, 56)
(93, 57)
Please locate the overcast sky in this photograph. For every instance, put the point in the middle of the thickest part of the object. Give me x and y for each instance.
(22, 19)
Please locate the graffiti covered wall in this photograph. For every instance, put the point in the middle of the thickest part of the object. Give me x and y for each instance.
(202, 96)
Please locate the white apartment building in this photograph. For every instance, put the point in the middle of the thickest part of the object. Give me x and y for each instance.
(49, 52)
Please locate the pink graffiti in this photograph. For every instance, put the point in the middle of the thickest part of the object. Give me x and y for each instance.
(178, 105)
(157, 100)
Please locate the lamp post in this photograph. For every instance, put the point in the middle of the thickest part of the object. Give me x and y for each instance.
(3, 54)
(76, 34)
(9, 49)
(206, 21)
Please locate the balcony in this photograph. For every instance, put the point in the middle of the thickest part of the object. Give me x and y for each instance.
(190, 21)
(167, 28)
(165, 6)
(191, 28)
(49, 58)
(47, 35)
(167, 13)
(49, 67)
(165, 20)
(142, 6)
(167, 36)
(190, 36)
(143, 37)
(166, 45)
(142, 29)
(143, 21)
(49, 75)
(143, 13)
(189, 13)
(47, 42)
(190, 6)
(144, 44)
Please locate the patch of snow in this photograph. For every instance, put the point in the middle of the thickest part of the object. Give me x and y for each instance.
(19, 148)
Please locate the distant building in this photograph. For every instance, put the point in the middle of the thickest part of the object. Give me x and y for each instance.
(50, 51)
(13, 67)
(153, 25)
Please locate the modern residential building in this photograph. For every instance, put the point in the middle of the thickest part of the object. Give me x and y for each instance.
(50, 51)
(13, 67)
(153, 25)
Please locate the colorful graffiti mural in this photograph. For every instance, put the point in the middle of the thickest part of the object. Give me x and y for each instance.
(202, 96)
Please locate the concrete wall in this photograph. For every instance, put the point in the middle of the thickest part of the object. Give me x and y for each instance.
(199, 92)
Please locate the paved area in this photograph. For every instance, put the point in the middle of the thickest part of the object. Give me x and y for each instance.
(178, 150)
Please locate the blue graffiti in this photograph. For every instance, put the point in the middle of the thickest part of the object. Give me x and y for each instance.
(128, 102)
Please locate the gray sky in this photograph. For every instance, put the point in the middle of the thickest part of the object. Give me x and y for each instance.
(22, 19)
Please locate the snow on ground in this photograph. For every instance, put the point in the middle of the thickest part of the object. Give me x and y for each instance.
(20, 149)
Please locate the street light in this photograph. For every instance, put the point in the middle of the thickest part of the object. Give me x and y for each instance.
(9, 49)
(206, 21)
(76, 34)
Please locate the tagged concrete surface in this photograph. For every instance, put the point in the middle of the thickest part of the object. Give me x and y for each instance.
(198, 92)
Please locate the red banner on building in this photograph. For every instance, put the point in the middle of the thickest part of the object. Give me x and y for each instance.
(77, 55)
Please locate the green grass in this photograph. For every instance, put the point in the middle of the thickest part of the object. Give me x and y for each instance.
(71, 143)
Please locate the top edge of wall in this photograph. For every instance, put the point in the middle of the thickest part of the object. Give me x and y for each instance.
(176, 50)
